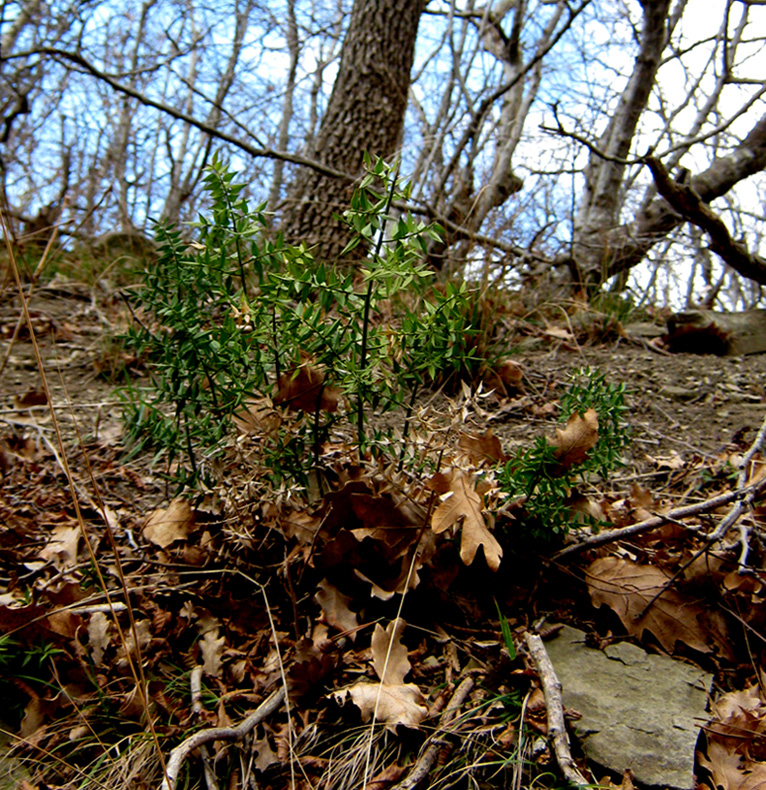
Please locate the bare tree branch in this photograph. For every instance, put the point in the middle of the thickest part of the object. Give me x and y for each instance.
(266, 153)
(683, 199)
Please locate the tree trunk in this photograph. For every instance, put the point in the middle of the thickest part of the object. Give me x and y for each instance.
(625, 246)
(602, 198)
(365, 113)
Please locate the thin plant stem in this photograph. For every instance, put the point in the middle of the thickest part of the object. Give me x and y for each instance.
(367, 305)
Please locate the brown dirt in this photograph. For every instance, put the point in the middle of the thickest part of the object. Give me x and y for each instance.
(684, 404)
(685, 409)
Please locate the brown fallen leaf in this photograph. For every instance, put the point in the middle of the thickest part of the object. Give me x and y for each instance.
(168, 525)
(61, 549)
(335, 609)
(572, 444)
(482, 448)
(211, 646)
(403, 704)
(98, 636)
(506, 377)
(627, 588)
(304, 389)
(392, 701)
(735, 737)
(32, 397)
(461, 504)
(389, 655)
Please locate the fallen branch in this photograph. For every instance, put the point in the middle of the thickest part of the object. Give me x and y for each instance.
(428, 757)
(183, 750)
(555, 708)
(740, 495)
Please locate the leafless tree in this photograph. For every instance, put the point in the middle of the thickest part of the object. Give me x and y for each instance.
(524, 124)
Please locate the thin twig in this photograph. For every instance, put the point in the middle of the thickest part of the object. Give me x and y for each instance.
(183, 750)
(745, 494)
(437, 741)
(195, 687)
(555, 709)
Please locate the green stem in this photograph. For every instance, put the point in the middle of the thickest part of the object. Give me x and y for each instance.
(406, 430)
(367, 305)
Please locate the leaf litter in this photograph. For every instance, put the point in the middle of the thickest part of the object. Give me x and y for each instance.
(255, 586)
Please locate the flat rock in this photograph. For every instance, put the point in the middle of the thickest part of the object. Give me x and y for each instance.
(639, 711)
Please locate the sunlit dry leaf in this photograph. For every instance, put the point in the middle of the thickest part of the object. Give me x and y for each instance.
(741, 709)
(463, 504)
(61, 549)
(335, 609)
(392, 701)
(211, 647)
(745, 583)
(403, 704)
(79, 732)
(573, 443)
(627, 588)
(98, 636)
(389, 655)
(558, 332)
(734, 740)
(482, 448)
(626, 784)
(168, 525)
(304, 389)
(731, 769)
(641, 501)
(672, 462)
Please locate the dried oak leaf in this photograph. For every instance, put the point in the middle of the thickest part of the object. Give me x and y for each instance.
(482, 448)
(335, 609)
(98, 636)
(168, 525)
(506, 377)
(61, 549)
(392, 701)
(461, 503)
(266, 755)
(211, 646)
(572, 444)
(390, 665)
(304, 389)
(735, 741)
(310, 667)
(730, 771)
(627, 588)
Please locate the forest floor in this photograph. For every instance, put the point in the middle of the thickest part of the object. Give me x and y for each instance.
(217, 587)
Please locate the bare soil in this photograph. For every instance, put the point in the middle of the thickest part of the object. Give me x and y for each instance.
(680, 405)
(685, 413)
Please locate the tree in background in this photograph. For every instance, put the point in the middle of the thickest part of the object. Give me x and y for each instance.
(523, 124)
(365, 113)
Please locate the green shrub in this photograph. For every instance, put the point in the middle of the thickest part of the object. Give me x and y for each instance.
(545, 484)
(237, 316)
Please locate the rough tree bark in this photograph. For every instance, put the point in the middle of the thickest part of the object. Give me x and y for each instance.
(625, 246)
(602, 198)
(365, 113)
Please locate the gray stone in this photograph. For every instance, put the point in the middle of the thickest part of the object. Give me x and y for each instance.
(639, 711)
